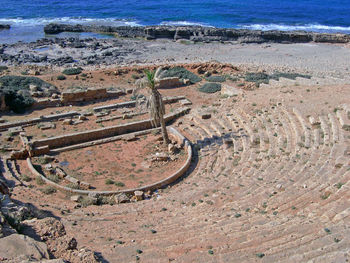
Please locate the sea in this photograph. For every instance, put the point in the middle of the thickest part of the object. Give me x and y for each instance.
(28, 17)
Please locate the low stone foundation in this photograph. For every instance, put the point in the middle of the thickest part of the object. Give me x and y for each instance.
(81, 137)
(46, 118)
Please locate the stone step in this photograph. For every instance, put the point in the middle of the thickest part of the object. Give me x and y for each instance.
(306, 134)
(343, 120)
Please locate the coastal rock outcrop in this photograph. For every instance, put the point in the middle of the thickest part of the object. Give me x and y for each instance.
(4, 27)
(204, 34)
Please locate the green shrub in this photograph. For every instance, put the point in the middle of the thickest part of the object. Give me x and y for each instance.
(181, 73)
(232, 78)
(87, 201)
(43, 160)
(16, 91)
(107, 200)
(61, 77)
(109, 181)
(137, 96)
(135, 76)
(54, 178)
(293, 76)
(72, 71)
(120, 184)
(255, 77)
(216, 79)
(18, 102)
(14, 221)
(259, 77)
(39, 180)
(48, 190)
(18, 82)
(210, 87)
(2, 68)
(73, 186)
(25, 178)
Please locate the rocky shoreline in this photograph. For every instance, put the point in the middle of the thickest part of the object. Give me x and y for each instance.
(4, 27)
(204, 34)
(326, 55)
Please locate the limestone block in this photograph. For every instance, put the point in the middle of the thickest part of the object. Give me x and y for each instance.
(230, 90)
(138, 195)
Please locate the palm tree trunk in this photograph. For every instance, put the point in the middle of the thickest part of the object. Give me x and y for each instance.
(164, 131)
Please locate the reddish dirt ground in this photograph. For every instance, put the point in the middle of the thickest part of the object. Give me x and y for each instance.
(121, 164)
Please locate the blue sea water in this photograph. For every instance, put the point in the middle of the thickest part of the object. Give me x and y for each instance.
(27, 17)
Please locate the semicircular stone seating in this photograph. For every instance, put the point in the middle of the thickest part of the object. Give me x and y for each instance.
(266, 185)
(279, 192)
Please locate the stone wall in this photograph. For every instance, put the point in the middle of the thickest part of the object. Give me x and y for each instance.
(89, 94)
(166, 83)
(46, 103)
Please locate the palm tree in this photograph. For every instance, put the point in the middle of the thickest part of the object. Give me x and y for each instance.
(154, 103)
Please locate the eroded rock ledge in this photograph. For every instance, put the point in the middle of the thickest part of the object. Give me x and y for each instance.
(204, 34)
(2, 26)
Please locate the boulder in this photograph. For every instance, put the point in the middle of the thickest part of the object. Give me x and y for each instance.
(205, 115)
(72, 179)
(60, 172)
(48, 158)
(67, 122)
(76, 198)
(138, 195)
(122, 198)
(228, 142)
(47, 125)
(171, 148)
(48, 167)
(33, 87)
(5, 27)
(93, 197)
(84, 186)
(162, 157)
(185, 102)
(314, 121)
(19, 248)
(48, 228)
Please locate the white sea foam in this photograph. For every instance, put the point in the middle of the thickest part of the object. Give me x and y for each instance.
(67, 20)
(183, 23)
(308, 27)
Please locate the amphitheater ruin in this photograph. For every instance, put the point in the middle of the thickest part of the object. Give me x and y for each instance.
(254, 173)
